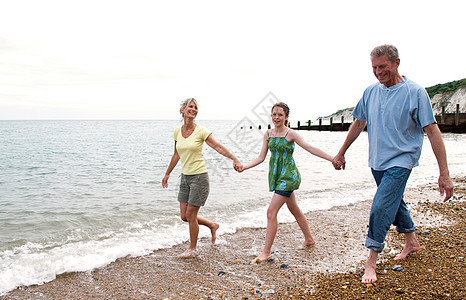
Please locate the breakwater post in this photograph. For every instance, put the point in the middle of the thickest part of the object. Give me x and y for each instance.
(457, 115)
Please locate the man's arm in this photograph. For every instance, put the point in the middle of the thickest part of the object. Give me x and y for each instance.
(356, 128)
(444, 181)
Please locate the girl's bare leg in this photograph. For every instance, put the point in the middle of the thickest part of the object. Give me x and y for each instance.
(301, 220)
(272, 226)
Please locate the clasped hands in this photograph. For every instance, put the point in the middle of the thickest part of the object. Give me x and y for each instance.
(339, 162)
(238, 166)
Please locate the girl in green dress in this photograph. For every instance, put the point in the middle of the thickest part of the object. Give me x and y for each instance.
(284, 176)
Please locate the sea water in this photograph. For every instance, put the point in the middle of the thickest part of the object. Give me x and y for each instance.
(77, 195)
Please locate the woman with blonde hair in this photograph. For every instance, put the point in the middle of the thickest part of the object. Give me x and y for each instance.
(194, 186)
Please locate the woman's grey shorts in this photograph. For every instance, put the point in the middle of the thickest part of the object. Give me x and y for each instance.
(194, 189)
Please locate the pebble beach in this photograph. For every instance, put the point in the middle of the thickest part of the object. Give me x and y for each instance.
(331, 269)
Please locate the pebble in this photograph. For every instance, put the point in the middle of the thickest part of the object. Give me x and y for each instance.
(284, 266)
(399, 291)
(398, 268)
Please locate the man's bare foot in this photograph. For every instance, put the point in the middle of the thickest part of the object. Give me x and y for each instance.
(370, 276)
(213, 231)
(190, 253)
(408, 249)
(262, 257)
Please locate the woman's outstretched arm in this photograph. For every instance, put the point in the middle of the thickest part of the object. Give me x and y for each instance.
(212, 142)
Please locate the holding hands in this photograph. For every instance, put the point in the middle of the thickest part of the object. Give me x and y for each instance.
(238, 166)
(339, 162)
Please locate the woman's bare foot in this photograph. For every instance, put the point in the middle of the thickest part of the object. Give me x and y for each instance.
(213, 231)
(190, 253)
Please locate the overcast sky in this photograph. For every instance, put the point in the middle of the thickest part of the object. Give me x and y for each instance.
(139, 59)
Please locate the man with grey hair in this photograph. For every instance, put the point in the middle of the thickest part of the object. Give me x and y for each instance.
(396, 111)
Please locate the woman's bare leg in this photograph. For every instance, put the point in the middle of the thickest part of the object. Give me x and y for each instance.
(189, 213)
(212, 226)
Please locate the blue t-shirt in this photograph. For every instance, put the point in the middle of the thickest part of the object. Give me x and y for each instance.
(395, 119)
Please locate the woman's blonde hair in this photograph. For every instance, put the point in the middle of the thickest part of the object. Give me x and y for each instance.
(185, 103)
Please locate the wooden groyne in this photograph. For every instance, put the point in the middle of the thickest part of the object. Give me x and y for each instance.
(340, 126)
(447, 122)
(452, 122)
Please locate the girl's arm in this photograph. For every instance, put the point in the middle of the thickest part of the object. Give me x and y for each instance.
(294, 136)
(220, 148)
(171, 166)
(261, 156)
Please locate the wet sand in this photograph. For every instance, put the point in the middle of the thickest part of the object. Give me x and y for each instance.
(331, 269)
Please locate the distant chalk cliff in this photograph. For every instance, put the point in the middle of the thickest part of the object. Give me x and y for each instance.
(450, 100)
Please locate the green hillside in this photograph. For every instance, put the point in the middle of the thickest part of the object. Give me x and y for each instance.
(445, 87)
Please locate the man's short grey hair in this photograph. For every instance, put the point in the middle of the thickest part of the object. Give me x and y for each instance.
(388, 50)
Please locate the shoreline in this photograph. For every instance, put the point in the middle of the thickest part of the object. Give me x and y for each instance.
(330, 269)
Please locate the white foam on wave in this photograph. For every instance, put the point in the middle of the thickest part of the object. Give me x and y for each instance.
(35, 263)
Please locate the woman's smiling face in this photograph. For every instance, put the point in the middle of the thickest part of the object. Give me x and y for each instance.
(190, 110)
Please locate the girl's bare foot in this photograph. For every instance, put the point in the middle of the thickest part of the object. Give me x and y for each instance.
(307, 244)
(213, 231)
(262, 257)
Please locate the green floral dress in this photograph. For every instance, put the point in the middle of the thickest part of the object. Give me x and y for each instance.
(283, 172)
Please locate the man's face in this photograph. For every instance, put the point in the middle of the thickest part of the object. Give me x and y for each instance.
(384, 70)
